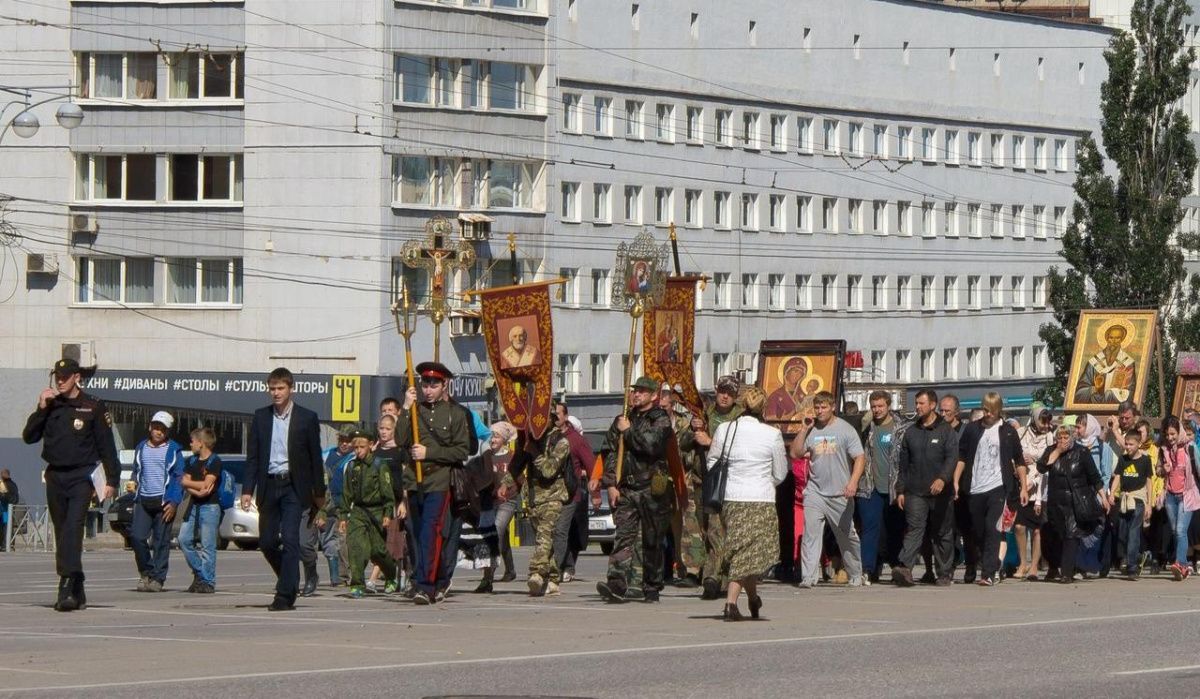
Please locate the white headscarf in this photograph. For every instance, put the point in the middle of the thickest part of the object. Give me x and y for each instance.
(1091, 431)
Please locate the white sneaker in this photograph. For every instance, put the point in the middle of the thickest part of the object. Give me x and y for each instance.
(858, 581)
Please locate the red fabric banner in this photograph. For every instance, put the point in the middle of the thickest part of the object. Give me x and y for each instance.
(668, 340)
(519, 336)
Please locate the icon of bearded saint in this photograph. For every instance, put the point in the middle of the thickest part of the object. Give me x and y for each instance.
(519, 352)
(1110, 375)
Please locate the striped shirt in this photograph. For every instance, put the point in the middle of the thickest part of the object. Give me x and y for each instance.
(152, 479)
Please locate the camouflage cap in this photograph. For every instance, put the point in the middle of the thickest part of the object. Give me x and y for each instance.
(346, 431)
(645, 383)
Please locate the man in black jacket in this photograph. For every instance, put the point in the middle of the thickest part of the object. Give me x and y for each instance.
(286, 477)
(991, 468)
(928, 456)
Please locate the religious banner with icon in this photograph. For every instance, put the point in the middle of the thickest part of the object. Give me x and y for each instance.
(668, 339)
(1111, 359)
(519, 336)
(790, 372)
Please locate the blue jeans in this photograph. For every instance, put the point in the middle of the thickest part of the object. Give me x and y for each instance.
(198, 541)
(1131, 530)
(150, 537)
(882, 531)
(1179, 519)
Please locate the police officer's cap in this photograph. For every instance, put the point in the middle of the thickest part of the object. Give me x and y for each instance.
(65, 367)
(434, 371)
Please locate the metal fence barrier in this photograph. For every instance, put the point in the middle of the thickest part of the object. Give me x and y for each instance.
(28, 528)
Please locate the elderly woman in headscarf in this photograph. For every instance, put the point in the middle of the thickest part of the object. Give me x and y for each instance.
(1097, 556)
(489, 469)
(758, 463)
(1035, 437)
(1072, 484)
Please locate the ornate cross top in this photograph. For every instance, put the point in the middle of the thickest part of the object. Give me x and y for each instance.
(437, 254)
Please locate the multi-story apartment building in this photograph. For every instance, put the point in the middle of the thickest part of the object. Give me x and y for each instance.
(247, 172)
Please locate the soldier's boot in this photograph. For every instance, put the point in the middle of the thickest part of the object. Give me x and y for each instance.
(552, 589)
(77, 588)
(310, 579)
(333, 572)
(66, 601)
(611, 592)
(537, 585)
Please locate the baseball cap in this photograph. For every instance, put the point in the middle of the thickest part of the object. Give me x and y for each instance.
(728, 384)
(65, 367)
(346, 431)
(164, 418)
(645, 383)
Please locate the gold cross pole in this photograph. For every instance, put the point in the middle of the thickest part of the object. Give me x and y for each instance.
(405, 316)
(641, 283)
(437, 255)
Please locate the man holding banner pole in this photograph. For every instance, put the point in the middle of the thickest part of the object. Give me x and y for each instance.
(641, 497)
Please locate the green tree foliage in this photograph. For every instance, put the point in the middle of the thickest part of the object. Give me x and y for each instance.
(1123, 248)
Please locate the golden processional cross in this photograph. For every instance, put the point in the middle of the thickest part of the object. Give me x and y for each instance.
(437, 255)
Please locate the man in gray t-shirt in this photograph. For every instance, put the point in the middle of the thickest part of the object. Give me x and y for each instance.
(836, 463)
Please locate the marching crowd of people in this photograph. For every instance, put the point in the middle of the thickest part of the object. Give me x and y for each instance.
(717, 501)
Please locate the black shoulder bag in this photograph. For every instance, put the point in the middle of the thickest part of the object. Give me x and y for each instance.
(712, 492)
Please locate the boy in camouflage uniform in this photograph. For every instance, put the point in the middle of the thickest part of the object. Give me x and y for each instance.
(641, 498)
(367, 507)
(686, 530)
(543, 465)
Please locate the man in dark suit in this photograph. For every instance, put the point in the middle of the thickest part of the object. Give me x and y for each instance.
(285, 474)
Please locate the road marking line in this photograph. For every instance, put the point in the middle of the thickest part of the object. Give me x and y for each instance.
(1177, 668)
(34, 672)
(593, 653)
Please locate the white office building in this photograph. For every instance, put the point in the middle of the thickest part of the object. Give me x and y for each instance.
(896, 174)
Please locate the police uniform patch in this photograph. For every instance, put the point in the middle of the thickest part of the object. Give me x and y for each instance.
(78, 424)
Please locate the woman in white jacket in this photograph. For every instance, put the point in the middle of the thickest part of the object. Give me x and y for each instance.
(757, 463)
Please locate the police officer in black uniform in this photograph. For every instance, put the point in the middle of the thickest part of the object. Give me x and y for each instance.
(76, 433)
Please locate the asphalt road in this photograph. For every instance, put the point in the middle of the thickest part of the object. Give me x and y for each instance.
(1100, 638)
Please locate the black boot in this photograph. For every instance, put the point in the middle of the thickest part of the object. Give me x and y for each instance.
(77, 587)
(310, 579)
(66, 596)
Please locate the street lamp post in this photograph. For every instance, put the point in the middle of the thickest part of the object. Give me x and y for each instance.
(25, 124)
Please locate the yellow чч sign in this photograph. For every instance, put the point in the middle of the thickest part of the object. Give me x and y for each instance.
(346, 397)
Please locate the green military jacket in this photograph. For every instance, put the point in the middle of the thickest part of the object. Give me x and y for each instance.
(691, 453)
(645, 449)
(545, 476)
(367, 488)
(694, 455)
(444, 430)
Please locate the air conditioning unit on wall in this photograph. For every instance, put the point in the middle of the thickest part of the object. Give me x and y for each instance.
(464, 325)
(82, 351)
(743, 361)
(39, 263)
(83, 223)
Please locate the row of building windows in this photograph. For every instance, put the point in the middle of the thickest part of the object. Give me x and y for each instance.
(805, 133)
(136, 177)
(469, 84)
(806, 213)
(150, 281)
(602, 373)
(833, 292)
(468, 184)
(147, 76)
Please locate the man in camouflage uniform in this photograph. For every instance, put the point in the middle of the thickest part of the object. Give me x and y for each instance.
(685, 525)
(364, 513)
(705, 525)
(543, 463)
(641, 497)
